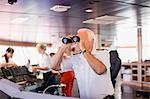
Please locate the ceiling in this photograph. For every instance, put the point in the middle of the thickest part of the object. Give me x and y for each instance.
(47, 26)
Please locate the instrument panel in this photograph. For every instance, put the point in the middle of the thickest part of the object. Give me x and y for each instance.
(20, 75)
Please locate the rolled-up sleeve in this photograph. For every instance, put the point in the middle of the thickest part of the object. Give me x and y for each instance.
(104, 57)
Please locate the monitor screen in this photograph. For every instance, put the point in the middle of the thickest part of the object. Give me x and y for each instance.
(1, 74)
(7, 73)
(24, 70)
(16, 71)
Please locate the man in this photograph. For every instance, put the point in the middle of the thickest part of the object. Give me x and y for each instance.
(91, 67)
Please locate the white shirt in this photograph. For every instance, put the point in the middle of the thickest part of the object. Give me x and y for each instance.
(91, 85)
(3, 60)
(44, 61)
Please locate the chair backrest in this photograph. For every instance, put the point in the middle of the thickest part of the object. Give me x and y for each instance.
(115, 62)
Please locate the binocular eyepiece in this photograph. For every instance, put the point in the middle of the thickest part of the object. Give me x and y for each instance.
(71, 39)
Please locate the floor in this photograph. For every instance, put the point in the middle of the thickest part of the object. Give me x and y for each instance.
(129, 92)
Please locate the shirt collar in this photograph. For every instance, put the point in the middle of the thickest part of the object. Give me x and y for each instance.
(80, 52)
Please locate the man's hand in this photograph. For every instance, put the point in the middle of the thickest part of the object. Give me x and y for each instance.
(15, 65)
(11, 65)
(56, 72)
(86, 45)
(65, 46)
(34, 69)
(82, 46)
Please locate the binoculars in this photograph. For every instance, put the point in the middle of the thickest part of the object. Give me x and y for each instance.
(71, 39)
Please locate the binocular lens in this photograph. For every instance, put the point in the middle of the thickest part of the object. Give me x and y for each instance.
(66, 40)
(76, 39)
(71, 39)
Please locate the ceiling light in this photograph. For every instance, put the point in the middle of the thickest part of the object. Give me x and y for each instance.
(105, 20)
(91, 21)
(111, 18)
(19, 20)
(60, 8)
(88, 10)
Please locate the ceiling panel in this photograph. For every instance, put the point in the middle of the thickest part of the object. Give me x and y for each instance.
(43, 23)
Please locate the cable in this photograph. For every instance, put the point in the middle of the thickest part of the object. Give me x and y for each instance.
(51, 86)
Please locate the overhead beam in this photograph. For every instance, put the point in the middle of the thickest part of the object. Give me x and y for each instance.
(20, 43)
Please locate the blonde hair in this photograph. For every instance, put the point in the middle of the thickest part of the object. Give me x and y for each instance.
(41, 46)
